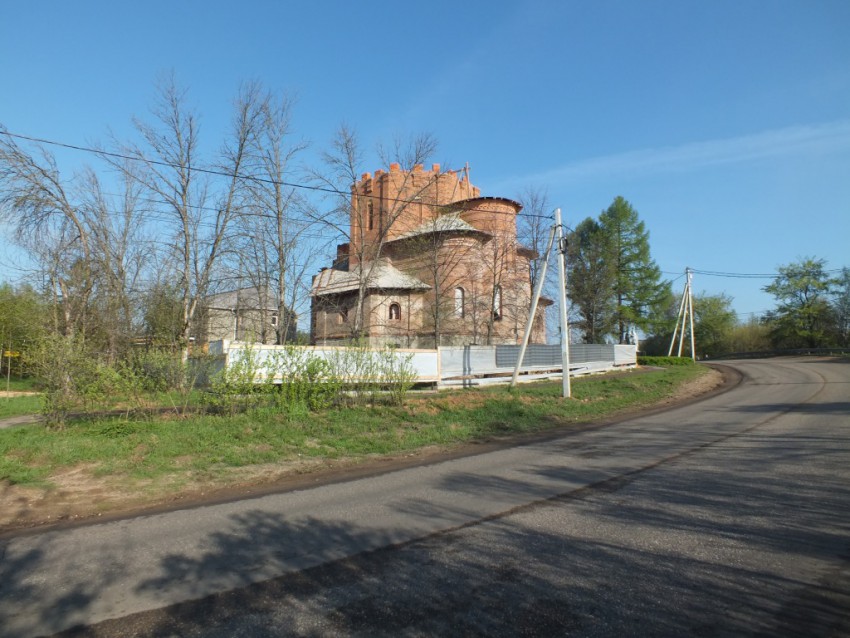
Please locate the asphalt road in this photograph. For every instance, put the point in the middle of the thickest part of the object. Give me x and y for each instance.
(728, 517)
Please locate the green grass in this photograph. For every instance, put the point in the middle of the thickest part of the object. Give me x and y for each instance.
(19, 384)
(16, 406)
(209, 446)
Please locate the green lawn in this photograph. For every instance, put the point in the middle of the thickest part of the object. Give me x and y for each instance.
(18, 384)
(209, 446)
(16, 406)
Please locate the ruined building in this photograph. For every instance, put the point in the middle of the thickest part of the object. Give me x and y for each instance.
(430, 262)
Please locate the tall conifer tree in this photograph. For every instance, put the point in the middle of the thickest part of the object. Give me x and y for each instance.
(639, 293)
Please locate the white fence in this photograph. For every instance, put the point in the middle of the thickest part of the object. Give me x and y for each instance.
(475, 365)
(472, 365)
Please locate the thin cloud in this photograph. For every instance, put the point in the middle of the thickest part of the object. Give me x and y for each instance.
(798, 140)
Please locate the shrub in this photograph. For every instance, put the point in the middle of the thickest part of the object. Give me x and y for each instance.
(665, 361)
(369, 375)
(298, 378)
(72, 376)
(154, 370)
(397, 374)
(235, 386)
(149, 376)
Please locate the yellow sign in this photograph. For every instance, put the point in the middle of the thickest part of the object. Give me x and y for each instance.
(9, 353)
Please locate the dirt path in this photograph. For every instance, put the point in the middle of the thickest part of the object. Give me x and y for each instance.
(77, 494)
(23, 419)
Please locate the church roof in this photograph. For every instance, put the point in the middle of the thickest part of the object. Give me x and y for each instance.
(472, 202)
(383, 276)
(450, 222)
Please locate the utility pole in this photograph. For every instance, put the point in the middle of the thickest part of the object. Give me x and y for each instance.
(558, 230)
(565, 328)
(691, 304)
(685, 318)
(529, 325)
(9, 366)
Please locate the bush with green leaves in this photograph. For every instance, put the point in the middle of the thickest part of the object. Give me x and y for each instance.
(235, 387)
(397, 374)
(73, 379)
(152, 375)
(368, 375)
(155, 370)
(298, 378)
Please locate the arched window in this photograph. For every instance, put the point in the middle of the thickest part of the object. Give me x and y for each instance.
(371, 216)
(459, 308)
(497, 302)
(395, 312)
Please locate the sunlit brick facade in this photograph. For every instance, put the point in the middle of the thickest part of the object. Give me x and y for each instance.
(437, 264)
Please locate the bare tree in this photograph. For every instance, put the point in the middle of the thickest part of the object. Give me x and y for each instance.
(495, 260)
(120, 252)
(87, 243)
(445, 247)
(274, 234)
(51, 224)
(533, 228)
(352, 211)
(200, 203)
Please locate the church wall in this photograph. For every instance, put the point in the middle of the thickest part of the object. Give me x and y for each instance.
(475, 262)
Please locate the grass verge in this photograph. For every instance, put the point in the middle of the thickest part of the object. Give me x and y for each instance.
(165, 454)
(17, 406)
(18, 384)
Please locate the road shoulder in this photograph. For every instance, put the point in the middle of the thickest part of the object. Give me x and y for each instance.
(58, 511)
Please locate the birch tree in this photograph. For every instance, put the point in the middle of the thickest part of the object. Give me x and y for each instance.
(445, 254)
(120, 254)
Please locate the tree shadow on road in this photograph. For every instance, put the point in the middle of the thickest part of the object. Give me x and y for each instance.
(665, 555)
(19, 588)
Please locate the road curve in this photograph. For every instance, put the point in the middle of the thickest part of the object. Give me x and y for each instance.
(693, 509)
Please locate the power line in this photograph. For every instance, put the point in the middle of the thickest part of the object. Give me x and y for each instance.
(741, 275)
(288, 219)
(217, 172)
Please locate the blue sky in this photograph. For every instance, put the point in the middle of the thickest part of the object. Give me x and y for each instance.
(726, 124)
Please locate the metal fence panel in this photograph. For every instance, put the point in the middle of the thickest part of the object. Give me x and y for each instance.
(535, 355)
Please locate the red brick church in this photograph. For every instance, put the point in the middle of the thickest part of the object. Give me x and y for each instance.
(430, 262)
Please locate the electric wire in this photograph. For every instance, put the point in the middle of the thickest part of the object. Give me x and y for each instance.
(217, 172)
(314, 188)
(741, 275)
